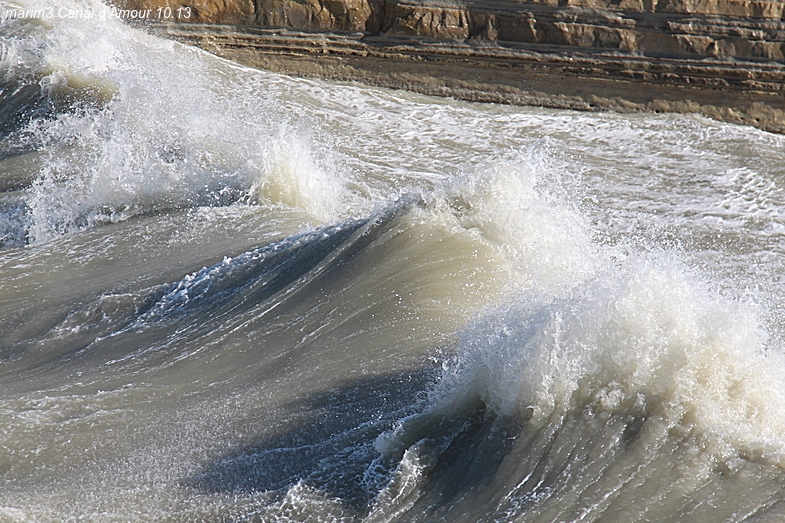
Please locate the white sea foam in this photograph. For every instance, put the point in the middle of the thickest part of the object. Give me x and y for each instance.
(645, 336)
(13, 515)
(505, 204)
(304, 503)
(290, 176)
(148, 125)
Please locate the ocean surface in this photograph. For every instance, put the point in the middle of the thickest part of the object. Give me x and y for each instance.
(228, 295)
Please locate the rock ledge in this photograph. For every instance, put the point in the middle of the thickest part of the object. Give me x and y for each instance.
(721, 58)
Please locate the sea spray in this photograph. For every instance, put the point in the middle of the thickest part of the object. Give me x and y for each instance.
(121, 138)
(508, 205)
(290, 176)
(641, 359)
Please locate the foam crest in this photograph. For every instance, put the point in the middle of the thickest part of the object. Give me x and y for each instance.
(406, 484)
(135, 124)
(507, 205)
(38, 78)
(649, 339)
(290, 176)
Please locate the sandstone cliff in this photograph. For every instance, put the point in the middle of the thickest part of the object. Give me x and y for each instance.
(720, 58)
(748, 29)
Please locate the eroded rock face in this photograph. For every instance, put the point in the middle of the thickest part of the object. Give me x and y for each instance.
(748, 29)
(341, 15)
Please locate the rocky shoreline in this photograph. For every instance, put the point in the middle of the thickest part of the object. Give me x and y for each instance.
(719, 58)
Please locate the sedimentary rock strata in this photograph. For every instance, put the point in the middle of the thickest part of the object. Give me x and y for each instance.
(722, 28)
(721, 58)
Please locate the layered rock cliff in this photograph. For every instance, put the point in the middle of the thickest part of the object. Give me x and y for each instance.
(721, 58)
(749, 29)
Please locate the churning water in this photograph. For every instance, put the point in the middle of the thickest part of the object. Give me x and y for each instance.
(228, 295)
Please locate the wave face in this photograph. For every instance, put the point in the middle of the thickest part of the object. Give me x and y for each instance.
(229, 295)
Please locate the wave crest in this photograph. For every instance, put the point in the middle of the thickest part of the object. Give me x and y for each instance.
(654, 343)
